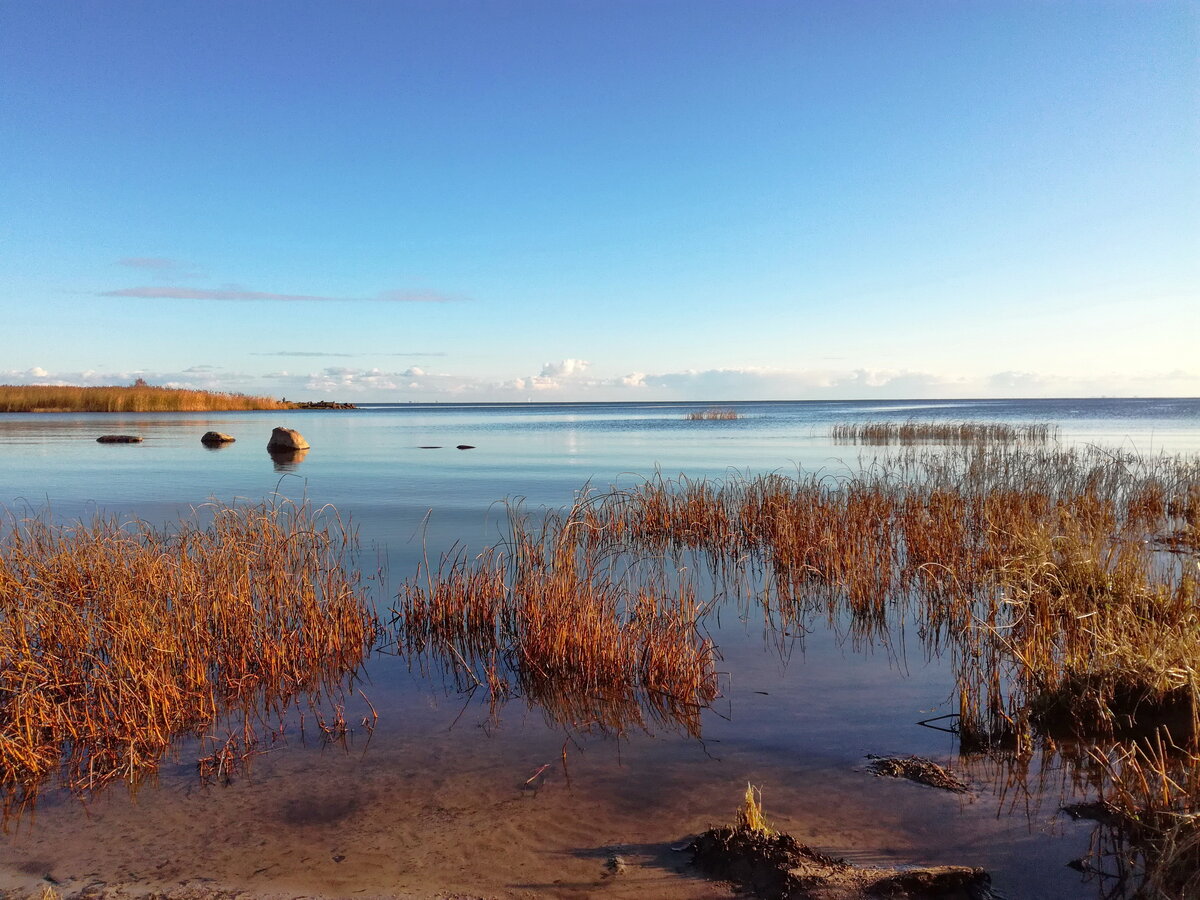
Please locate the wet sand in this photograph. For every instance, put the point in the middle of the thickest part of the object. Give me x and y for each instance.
(438, 808)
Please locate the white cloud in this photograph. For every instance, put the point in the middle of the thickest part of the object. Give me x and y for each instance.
(567, 368)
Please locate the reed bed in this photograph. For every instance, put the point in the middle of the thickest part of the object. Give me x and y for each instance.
(118, 637)
(914, 432)
(1036, 566)
(545, 615)
(715, 414)
(1043, 571)
(138, 398)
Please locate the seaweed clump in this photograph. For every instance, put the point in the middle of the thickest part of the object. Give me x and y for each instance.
(774, 865)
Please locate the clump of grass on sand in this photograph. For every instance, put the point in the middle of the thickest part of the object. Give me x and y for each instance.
(913, 432)
(772, 864)
(117, 637)
(714, 414)
(134, 398)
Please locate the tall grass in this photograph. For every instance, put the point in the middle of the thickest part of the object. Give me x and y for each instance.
(544, 615)
(38, 398)
(714, 414)
(118, 637)
(914, 432)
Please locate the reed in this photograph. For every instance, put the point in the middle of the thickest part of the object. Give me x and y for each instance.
(546, 615)
(1151, 795)
(1037, 566)
(914, 432)
(713, 414)
(118, 637)
(137, 398)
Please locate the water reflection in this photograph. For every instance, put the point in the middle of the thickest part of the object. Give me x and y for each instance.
(287, 460)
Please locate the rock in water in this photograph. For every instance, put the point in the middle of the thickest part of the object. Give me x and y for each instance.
(118, 439)
(287, 439)
(465, 447)
(217, 437)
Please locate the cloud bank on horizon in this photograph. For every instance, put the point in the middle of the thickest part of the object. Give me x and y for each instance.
(572, 380)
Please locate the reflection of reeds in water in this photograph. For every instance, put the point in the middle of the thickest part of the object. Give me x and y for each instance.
(117, 637)
(547, 615)
(913, 432)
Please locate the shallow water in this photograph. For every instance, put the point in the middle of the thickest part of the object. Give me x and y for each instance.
(796, 718)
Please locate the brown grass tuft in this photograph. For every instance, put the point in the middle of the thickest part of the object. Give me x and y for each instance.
(115, 638)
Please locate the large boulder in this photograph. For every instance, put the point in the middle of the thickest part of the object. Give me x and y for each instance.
(217, 437)
(287, 439)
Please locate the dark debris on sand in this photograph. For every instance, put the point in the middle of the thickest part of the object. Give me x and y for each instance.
(776, 867)
(918, 769)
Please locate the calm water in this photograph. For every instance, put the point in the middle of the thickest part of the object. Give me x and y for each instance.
(798, 719)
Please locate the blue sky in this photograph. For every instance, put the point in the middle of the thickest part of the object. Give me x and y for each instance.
(602, 200)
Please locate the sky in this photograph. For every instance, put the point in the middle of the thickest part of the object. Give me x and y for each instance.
(558, 200)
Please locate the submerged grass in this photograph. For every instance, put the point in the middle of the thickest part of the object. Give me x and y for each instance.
(118, 637)
(137, 398)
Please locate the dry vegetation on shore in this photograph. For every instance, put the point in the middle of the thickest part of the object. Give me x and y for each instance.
(117, 637)
(134, 398)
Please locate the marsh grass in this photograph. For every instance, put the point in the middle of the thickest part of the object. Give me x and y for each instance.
(914, 432)
(1152, 808)
(547, 615)
(750, 813)
(117, 637)
(1037, 568)
(714, 414)
(54, 398)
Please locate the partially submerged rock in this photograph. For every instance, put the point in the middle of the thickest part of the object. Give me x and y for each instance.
(118, 439)
(465, 447)
(774, 866)
(918, 769)
(216, 438)
(287, 440)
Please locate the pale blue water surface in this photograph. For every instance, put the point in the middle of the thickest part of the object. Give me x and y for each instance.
(802, 717)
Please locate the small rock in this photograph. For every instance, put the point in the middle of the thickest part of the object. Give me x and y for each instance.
(465, 447)
(118, 439)
(217, 437)
(287, 439)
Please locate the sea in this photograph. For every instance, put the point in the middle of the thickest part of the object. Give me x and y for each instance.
(416, 481)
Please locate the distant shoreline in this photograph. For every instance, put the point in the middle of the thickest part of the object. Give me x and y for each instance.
(140, 398)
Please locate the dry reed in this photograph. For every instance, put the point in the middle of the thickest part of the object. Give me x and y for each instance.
(714, 414)
(913, 432)
(117, 637)
(141, 398)
(545, 615)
